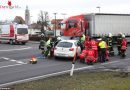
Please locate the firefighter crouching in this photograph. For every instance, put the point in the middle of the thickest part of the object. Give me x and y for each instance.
(110, 44)
(123, 46)
(88, 56)
(102, 50)
(94, 46)
(42, 46)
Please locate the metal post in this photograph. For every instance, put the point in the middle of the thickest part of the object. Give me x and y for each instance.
(55, 24)
(98, 8)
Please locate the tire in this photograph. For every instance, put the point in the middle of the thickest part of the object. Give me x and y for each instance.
(11, 42)
(55, 57)
(23, 43)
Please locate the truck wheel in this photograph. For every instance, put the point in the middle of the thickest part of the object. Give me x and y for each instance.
(11, 42)
(23, 43)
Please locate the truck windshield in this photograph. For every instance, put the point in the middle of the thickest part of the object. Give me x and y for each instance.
(72, 23)
(63, 25)
(22, 31)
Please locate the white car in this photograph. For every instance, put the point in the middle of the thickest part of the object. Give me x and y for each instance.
(67, 48)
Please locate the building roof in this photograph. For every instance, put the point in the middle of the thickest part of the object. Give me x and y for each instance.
(57, 21)
(19, 20)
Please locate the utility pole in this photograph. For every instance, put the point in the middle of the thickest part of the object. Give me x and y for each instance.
(55, 24)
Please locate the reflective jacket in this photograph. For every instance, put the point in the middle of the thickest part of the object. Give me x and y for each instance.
(48, 43)
(109, 42)
(119, 38)
(83, 38)
(102, 44)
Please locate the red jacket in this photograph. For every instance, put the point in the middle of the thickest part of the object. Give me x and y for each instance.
(123, 43)
(94, 44)
(90, 53)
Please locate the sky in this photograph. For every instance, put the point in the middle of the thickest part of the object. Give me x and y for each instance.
(69, 7)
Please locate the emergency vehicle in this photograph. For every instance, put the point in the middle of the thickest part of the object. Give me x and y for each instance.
(14, 33)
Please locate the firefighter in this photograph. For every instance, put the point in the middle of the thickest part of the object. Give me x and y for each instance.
(110, 44)
(49, 46)
(119, 38)
(102, 50)
(86, 43)
(94, 45)
(90, 56)
(123, 46)
(82, 40)
(83, 37)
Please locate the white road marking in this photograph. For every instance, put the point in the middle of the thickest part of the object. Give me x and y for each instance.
(16, 49)
(12, 65)
(20, 62)
(17, 61)
(13, 60)
(5, 58)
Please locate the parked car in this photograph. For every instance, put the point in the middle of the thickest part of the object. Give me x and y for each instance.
(67, 48)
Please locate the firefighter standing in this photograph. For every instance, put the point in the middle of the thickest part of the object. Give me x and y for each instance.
(82, 40)
(48, 45)
(110, 45)
(86, 43)
(119, 38)
(102, 50)
(123, 45)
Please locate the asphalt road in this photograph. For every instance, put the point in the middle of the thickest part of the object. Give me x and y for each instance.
(15, 67)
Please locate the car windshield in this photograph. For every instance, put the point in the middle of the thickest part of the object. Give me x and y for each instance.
(63, 25)
(72, 23)
(64, 44)
(22, 31)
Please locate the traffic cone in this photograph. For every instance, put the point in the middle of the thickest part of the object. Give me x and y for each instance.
(33, 60)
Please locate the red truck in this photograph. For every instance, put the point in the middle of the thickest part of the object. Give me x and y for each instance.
(96, 24)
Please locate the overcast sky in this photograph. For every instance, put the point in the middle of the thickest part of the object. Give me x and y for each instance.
(70, 7)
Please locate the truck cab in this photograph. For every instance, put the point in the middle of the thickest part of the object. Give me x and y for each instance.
(74, 26)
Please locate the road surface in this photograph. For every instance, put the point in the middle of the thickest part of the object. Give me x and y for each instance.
(15, 67)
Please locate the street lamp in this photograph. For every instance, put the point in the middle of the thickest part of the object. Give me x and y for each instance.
(98, 8)
(63, 14)
(55, 24)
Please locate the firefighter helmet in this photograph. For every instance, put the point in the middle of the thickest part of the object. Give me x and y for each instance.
(110, 35)
(123, 35)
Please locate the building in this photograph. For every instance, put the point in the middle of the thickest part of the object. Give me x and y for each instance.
(19, 20)
(27, 16)
(56, 23)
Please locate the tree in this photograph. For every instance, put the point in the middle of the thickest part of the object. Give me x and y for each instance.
(43, 20)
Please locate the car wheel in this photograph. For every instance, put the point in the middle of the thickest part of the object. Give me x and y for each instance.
(56, 57)
(23, 43)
